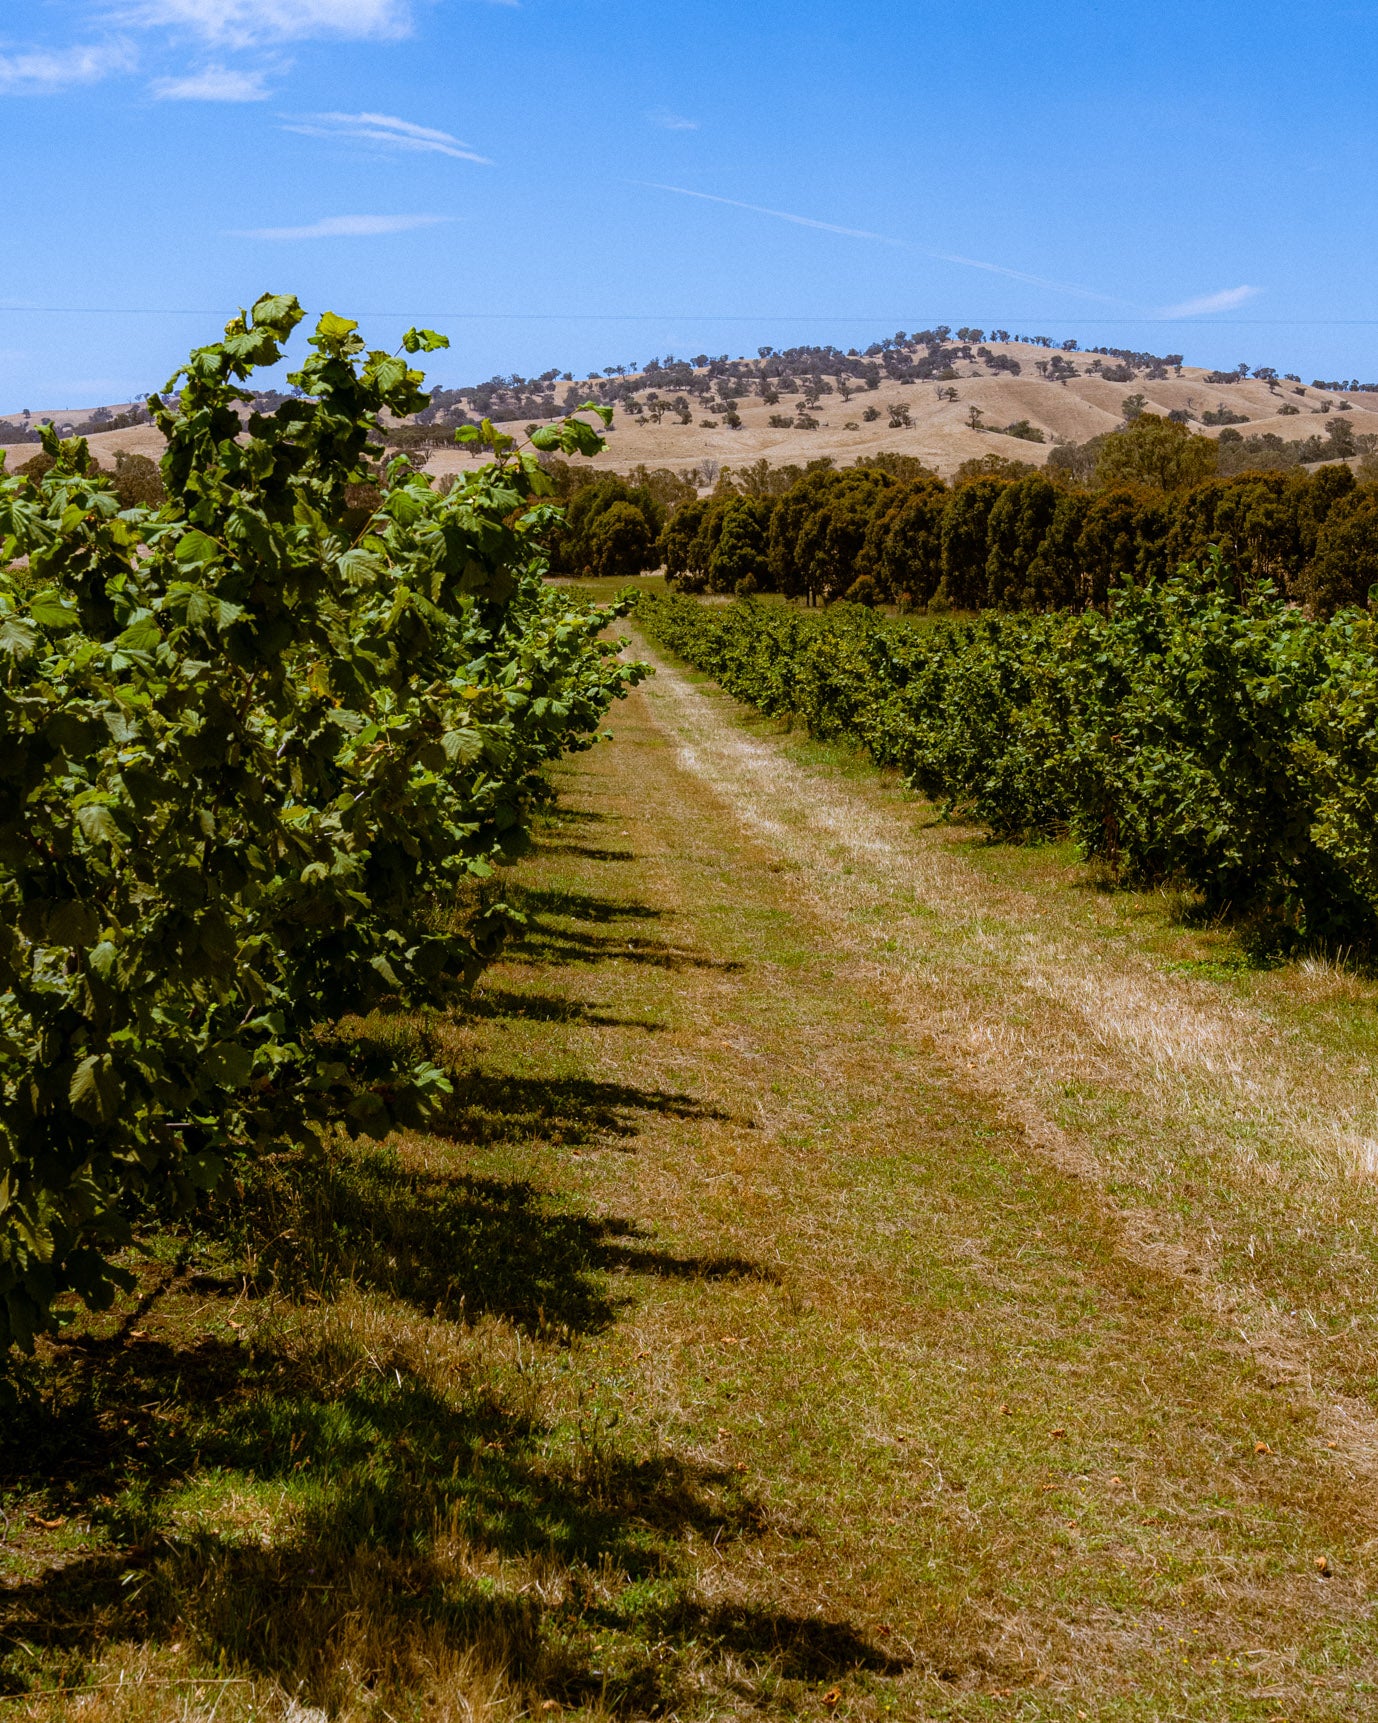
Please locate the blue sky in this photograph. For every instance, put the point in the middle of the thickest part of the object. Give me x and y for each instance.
(588, 182)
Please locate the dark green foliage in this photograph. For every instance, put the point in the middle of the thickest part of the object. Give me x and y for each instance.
(1024, 431)
(966, 540)
(818, 530)
(137, 482)
(1123, 532)
(680, 551)
(254, 744)
(1344, 569)
(618, 542)
(1184, 735)
(903, 552)
(1057, 574)
(1019, 522)
(738, 562)
(588, 543)
(1154, 451)
(863, 590)
(1030, 540)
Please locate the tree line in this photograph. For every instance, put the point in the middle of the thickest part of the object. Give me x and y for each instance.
(1002, 535)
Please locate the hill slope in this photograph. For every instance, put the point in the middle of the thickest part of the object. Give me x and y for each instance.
(914, 397)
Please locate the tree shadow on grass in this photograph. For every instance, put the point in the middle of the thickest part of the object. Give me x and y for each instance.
(498, 1005)
(412, 1525)
(462, 1247)
(580, 905)
(330, 1507)
(588, 852)
(541, 942)
(488, 1108)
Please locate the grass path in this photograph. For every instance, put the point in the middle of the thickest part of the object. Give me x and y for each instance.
(865, 1274)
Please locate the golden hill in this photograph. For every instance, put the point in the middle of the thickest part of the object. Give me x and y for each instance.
(931, 418)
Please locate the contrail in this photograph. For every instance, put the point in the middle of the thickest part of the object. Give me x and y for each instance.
(887, 239)
(759, 209)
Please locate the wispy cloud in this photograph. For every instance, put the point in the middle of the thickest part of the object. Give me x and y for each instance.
(213, 84)
(241, 23)
(888, 239)
(1226, 300)
(43, 71)
(669, 122)
(389, 131)
(346, 227)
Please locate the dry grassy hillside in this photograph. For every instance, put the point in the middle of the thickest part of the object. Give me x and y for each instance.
(938, 429)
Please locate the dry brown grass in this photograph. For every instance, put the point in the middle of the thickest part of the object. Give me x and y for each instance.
(938, 435)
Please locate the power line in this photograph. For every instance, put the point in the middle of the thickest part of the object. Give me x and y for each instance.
(705, 317)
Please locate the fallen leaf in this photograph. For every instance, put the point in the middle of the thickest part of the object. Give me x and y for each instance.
(1323, 1565)
(138, 1334)
(1046, 1487)
(1004, 1411)
(1059, 1431)
(47, 1525)
(831, 1697)
(1262, 1448)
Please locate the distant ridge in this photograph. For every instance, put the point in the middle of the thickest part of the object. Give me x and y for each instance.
(945, 396)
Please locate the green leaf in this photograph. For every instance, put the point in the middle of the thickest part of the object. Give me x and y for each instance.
(71, 923)
(334, 328)
(462, 745)
(198, 548)
(95, 1091)
(278, 313)
(424, 341)
(203, 1171)
(50, 609)
(385, 969)
(577, 438)
(98, 823)
(16, 637)
(103, 959)
(142, 635)
(229, 1064)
